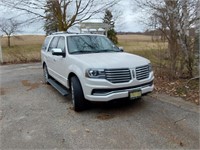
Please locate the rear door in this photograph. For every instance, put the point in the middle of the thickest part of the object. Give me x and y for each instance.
(44, 48)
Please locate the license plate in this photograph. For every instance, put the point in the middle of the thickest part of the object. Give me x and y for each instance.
(135, 94)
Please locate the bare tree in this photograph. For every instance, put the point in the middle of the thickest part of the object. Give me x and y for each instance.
(174, 18)
(66, 12)
(9, 27)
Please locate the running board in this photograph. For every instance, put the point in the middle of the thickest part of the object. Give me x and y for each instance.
(58, 87)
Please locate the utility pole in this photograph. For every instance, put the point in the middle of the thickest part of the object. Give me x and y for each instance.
(1, 56)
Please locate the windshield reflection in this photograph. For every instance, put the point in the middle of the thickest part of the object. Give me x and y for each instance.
(90, 44)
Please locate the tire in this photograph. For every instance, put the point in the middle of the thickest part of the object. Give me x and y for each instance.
(78, 100)
(45, 74)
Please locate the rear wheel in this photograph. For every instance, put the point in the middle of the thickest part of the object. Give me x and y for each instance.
(78, 100)
(45, 74)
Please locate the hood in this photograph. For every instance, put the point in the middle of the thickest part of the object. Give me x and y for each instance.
(111, 60)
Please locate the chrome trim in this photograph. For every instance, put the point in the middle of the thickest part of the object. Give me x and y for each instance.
(118, 91)
(142, 72)
(120, 75)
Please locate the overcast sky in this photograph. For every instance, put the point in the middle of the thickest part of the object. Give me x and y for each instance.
(131, 17)
(129, 21)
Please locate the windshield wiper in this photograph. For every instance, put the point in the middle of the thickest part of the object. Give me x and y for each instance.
(80, 52)
(106, 50)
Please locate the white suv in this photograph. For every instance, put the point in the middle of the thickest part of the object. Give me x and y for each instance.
(94, 69)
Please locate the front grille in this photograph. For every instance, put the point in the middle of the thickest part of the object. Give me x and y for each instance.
(118, 75)
(142, 72)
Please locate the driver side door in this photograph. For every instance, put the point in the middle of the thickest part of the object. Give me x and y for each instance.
(60, 62)
(50, 59)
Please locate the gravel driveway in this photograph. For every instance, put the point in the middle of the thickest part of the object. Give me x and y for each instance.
(35, 116)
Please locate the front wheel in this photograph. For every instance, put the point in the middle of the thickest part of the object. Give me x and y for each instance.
(78, 100)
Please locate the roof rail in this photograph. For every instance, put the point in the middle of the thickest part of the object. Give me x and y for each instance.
(63, 32)
(60, 32)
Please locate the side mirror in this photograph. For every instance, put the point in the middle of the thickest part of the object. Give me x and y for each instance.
(57, 52)
(121, 49)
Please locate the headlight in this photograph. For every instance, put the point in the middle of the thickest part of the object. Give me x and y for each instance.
(150, 68)
(95, 73)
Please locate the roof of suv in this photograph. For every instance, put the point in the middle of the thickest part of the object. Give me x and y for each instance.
(71, 33)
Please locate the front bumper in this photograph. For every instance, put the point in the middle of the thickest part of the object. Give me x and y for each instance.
(104, 91)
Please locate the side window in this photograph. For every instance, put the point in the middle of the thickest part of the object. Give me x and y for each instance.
(53, 44)
(45, 44)
(61, 43)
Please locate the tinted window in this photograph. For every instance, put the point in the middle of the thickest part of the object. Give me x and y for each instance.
(53, 43)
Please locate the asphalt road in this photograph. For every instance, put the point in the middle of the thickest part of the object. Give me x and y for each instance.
(35, 116)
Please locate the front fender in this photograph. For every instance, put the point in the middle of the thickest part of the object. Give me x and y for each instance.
(79, 72)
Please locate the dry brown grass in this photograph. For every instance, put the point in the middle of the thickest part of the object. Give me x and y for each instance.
(132, 43)
(26, 48)
(23, 49)
(129, 38)
(21, 54)
(23, 40)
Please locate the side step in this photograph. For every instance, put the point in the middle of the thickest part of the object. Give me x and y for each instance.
(58, 87)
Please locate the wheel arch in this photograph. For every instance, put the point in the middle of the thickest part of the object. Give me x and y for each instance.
(75, 71)
(43, 64)
(71, 74)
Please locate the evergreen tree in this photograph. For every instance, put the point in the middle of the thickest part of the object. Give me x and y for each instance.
(108, 18)
(50, 25)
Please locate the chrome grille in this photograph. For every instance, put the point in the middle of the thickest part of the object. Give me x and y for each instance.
(118, 75)
(142, 72)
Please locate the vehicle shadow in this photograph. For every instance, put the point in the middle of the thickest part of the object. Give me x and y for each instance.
(119, 105)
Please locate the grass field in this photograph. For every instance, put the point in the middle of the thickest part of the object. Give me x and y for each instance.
(142, 45)
(26, 48)
(23, 49)
(23, 40)
(132, 43)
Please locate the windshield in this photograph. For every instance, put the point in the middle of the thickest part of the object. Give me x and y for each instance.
(90, 44)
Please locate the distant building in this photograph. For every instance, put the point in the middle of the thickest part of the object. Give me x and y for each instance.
(94, 27)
